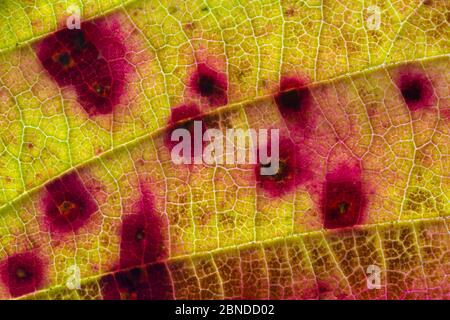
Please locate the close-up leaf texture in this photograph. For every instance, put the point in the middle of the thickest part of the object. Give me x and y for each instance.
(93, 207)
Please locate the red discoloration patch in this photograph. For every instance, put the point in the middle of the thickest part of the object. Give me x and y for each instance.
(67, 204)
(160, 282)
(183, 112)
(210, 84)
(151, 283)
(416, 89)
(328, 292)
(183, 117)
(92, 60)
(143, 234)
(22, 273)
(446, 114)
(294, 101)
(344, 199)
(293, 170)
(109, 288)
(126, 285)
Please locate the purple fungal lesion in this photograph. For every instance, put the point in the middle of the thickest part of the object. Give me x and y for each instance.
(416, 89)
(183, 117)
(183, 112)
(142, 245)
(293, 99)
(160, 281)
(150, 283)
(210, 84)
(91, 60)
(293, 169)
(67, 204)
(125, 285)
(142, 235)
(22, 273)
(344, 199)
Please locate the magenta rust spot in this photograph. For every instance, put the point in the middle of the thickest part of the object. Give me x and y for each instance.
(126, 285)
(183, 112)
(293, 170)
(416, 89)
(294, 100)
(22, 273)
(160, 282)
(67, 204)
(344, 199)
(142, 236)
(91, 60)
(183, 117)
(152, 283)
(210, 84)
(326, 292)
